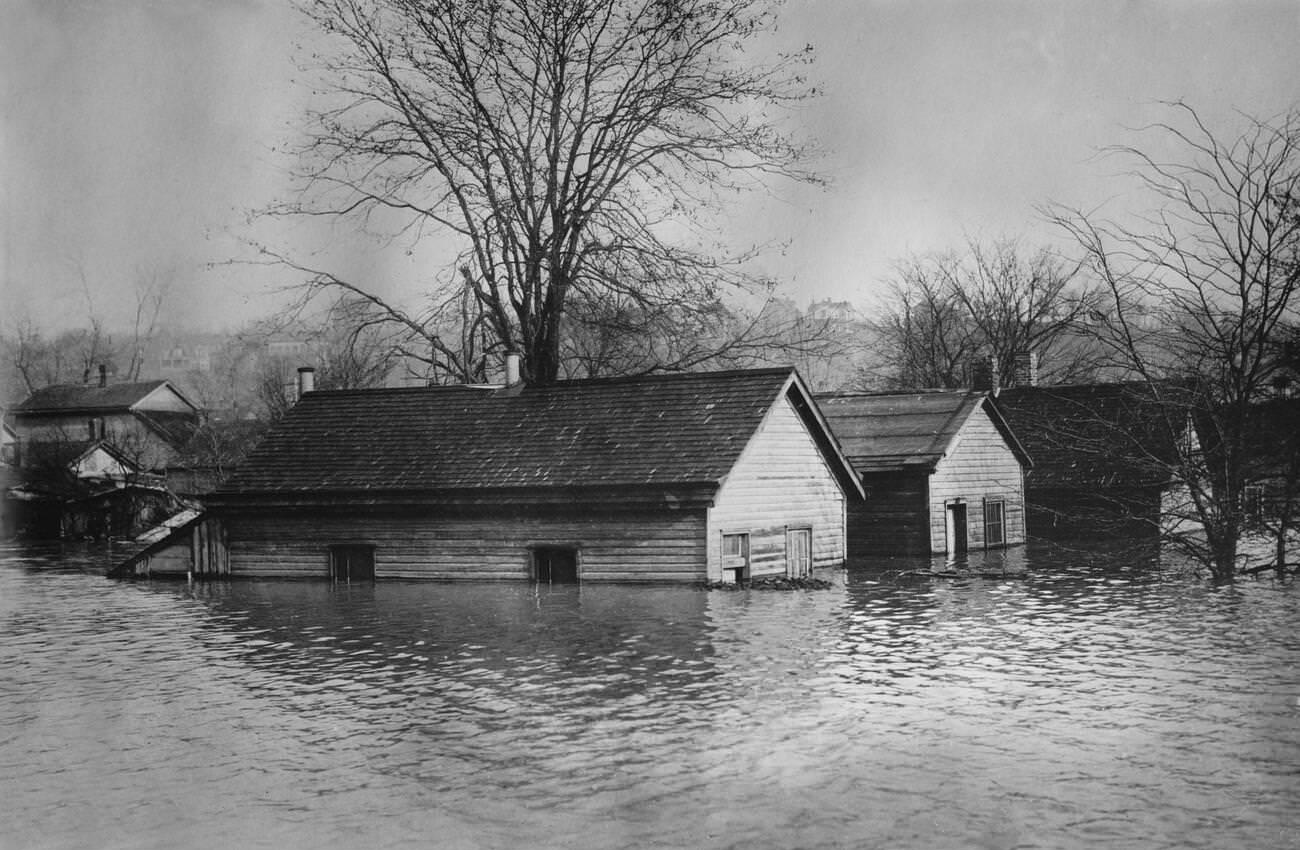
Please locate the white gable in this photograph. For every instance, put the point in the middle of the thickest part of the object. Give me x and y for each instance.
(98, 462)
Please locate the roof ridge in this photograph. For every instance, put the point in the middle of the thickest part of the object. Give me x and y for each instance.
(571, 382)
(888, 393)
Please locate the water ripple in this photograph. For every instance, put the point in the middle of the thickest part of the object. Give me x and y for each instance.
(1090, 704)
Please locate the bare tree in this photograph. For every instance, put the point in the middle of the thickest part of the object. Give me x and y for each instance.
(1200, 288)
(993, 301)
(151, 291)
(922, 337)
(574, 148)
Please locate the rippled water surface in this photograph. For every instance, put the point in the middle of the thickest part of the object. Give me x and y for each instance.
(1089, 703)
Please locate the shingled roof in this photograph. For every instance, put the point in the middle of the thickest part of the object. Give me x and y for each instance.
(89, 398)
(895, 432)
(620, 436)
(1099, 435)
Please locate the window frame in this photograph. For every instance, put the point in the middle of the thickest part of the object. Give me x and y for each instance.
(999, 505)
(737, 573)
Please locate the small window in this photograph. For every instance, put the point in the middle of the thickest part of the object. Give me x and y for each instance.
(735, 557)
(352, 563)
(1252, 501)
(995, 522)
(555, 565)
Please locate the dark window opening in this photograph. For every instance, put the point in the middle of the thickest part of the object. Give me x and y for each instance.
(555, 565)
(352, 563)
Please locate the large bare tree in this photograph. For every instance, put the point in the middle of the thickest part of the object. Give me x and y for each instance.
(574, 149)
(1201, 289)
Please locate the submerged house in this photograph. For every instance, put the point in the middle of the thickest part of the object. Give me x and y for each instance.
(942, 470)
(81, 490)
(692, 477)
(145, 422)
(1106, 457)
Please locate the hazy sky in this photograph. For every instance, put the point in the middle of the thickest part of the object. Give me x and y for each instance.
(137, 134)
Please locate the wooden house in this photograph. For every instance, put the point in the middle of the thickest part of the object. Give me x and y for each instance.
(146, 422)
(943, 472)
(82, 490)
(1106, 457)
(687, 478)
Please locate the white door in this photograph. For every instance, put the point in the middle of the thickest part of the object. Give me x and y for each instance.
(798, 552)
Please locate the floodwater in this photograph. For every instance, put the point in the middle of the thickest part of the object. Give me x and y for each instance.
(1087, 702)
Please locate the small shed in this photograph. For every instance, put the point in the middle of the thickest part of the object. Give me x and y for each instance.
(718, 476)
(942, 471)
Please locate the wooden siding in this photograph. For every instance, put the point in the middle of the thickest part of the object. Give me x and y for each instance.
(781, 481)
(198, 548)
(894, 518)
(978, 466)
(612, 546)
(135, 440)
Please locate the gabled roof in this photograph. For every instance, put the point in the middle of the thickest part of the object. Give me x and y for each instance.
(91, 398)
(98, 446)
(895, 432)
(621, 436)
(1091, 435)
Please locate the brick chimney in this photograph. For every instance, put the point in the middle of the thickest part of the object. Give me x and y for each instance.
(512, 370)
(306, 380)
(1024, 369)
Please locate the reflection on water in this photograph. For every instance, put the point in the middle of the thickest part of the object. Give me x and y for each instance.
(1078, 701)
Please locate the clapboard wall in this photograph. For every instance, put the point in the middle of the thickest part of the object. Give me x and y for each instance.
(978, 466)
(894, 519)
(781, 482)
(665, 545)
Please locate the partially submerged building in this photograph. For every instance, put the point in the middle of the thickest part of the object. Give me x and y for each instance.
(146, 422)
(1106, 457)
(942, 470)
(690, 477)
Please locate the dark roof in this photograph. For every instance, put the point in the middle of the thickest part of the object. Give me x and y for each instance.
(1090, 435)
(627, 434)
(69, 398)
(893, 432)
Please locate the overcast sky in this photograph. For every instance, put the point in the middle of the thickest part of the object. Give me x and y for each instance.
(137, 134)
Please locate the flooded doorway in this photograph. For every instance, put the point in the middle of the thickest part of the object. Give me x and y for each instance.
(352, 563)
(956, 528)
(555, 565)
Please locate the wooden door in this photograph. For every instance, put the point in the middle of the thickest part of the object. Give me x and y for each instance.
(798, 552)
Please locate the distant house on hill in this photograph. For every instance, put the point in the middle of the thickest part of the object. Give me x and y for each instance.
(1106, 457)
(8, 444)
(691, 477)
(943, 472)
(146, 422)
